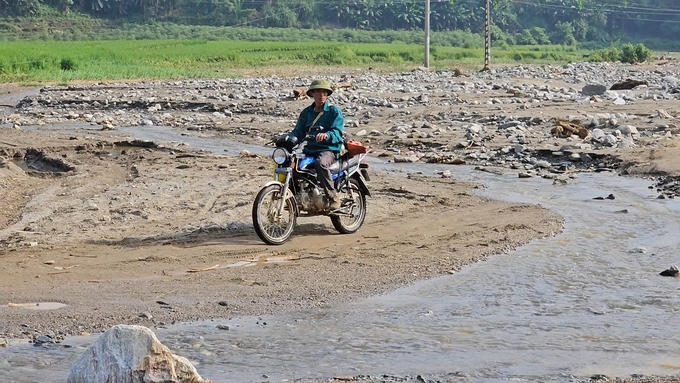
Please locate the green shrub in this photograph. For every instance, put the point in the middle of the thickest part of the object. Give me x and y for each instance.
(610, 54)
(497, 33)
(67, 64)
(517, 56)
(554, 56)
(533, 36)
(500, 45)
(525, 38)
(37, 65)
(564, 34)
(634, 53)
(642, 53)
(540, 35)
(628, 53)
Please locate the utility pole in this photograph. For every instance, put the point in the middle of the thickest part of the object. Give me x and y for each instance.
(487, 36)
(427, 34)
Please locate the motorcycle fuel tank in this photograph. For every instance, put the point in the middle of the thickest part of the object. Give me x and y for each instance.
(305, 162)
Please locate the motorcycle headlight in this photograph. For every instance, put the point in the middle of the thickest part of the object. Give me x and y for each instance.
(279, 156)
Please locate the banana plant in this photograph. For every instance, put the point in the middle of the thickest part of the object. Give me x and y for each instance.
(411, 14)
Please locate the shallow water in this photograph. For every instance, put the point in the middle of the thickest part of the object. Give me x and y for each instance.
(587, 301)
(33, 306)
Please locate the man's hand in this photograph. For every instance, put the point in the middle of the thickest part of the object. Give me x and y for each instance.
(321, 137)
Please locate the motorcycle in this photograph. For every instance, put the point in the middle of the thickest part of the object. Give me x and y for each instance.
(296, 192)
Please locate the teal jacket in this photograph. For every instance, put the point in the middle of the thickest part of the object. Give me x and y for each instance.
(332, 123)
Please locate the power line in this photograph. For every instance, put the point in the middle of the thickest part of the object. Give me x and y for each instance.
(633, 6)
(621, 8)
(627, 15)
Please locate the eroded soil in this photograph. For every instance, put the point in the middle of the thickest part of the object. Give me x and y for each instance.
(122, 231)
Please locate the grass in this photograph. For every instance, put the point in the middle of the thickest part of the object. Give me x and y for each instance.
(68, 61)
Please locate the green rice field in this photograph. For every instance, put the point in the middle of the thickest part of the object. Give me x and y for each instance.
(66, 61)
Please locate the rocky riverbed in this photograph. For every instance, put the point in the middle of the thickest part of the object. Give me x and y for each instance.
(524, 118)
(130, 232)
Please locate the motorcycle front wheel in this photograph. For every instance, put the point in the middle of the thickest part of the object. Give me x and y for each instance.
(272, 228)
(356, 209)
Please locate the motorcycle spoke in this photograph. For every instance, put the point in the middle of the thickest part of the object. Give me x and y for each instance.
(352, 213)
(273, 225)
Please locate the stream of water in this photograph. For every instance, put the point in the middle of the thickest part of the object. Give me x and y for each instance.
(587, 301)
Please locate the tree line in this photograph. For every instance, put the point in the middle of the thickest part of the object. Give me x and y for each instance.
(514, 21)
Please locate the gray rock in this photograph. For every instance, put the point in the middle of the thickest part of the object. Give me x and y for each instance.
(474, 128)
(520, 148)
(131, 354)
(619, 101)
(597, 134)
(628, 130)
(405, 159)
(626, 142)
(593, 90)
(509, 124)
(609, 140)
(43, 339)
(672, 80)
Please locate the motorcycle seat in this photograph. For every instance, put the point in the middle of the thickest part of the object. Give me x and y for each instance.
(342, 164)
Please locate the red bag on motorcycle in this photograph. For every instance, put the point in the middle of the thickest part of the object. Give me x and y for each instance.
(355, 147)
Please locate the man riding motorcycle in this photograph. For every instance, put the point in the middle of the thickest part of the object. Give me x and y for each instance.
(327, 146)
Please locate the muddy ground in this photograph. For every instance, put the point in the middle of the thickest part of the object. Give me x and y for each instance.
(154, 233)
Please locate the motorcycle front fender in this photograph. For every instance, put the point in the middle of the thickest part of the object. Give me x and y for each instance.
(289, 194)
(362, 183)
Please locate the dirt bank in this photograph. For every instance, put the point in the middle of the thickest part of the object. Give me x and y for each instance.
(120, 233)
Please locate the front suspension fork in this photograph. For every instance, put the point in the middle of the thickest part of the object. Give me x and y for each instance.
(284, 191)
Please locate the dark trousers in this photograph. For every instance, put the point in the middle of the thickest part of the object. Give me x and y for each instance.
(323, 161)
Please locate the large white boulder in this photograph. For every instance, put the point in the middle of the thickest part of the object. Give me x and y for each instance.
(131, 354)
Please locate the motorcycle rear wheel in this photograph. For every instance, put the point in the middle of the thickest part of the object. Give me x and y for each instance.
(271, 229)
(348, 224)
